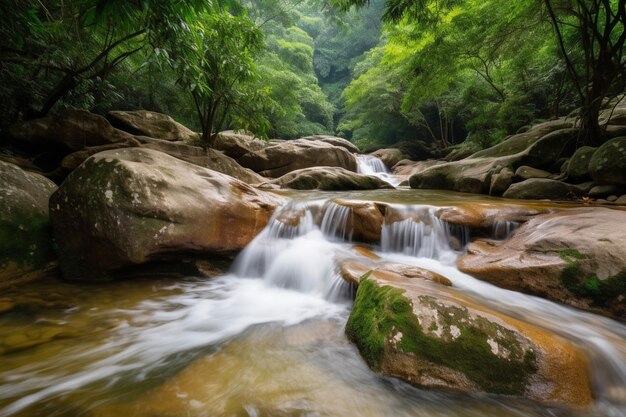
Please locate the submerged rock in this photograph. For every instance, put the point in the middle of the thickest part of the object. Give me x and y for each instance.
(422, 333)
(574, 256)
(283, 157)
(128, 207)
(152, 124)
(329, 179)
(26, 251)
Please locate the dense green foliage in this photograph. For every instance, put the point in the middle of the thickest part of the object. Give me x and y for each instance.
(439, 72)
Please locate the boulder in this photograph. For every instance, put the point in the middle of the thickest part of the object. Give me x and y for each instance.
(73, 129)
(578, 165)
(329, 179)
(152, 124)
(129, 207)
(237, 144)
(280, 158)
(355, 271)
(574, 256)
(501, 181)
(621, 200)
(608, 164)
(600, 191)
(390, 157)
(543, 188)
(525, 173)
(207, 158)
(26, 251)
(335, 141)
(485, 216)
(539, 147)
(427, 335)
(406, 167)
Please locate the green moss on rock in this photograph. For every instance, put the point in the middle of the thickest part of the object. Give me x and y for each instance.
(381, 313)
(601, 292)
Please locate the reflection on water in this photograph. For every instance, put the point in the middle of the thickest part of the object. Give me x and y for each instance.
(266, 340)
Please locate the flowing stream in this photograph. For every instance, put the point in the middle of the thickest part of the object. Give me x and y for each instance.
(264, 340)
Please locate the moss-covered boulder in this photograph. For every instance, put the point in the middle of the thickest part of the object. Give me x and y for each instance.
(574, 256)
(578, 166)
(152, 124)
(539, 147)
(26, 251)
(608, 164)
(133, 206)
(543, 188)
(283, 157)
(329, 179)
(421, 332)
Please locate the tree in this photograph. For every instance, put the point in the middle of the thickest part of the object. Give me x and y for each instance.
(599, 28)
(216, 64)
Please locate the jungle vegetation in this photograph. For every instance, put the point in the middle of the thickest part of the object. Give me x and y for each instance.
(377, 72)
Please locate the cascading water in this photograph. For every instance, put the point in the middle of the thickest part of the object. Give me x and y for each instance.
(502, 229)
(371, 165)
(286, 276)
(421, 234)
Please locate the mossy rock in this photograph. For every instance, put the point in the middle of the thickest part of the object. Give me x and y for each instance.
(578, 166)
(608, 164)
(445, 339)
(25, 233)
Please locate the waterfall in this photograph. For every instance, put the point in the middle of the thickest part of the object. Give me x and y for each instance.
(369, 164)
(421, 234)
(335, 222)
(502, 229)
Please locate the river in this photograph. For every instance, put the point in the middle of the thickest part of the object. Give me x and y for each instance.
(267, 338)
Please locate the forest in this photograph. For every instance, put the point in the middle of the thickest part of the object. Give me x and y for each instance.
(377, 73)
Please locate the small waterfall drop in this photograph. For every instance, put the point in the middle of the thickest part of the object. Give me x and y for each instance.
(502, 229)
(293, 252)
(421, 234)
(371, 165)
(335, 222)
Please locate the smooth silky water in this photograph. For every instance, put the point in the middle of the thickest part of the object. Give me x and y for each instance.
(268, 338)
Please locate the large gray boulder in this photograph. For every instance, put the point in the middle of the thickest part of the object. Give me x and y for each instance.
(153, 124)
(129, 207)
(578, 165)
(329, 179)
(237, 144)
(539, 147)
(280, 158)
(543, 188)
(334, 140)
(72, 129)
(26, 251)
(575, 256)
(608, 163)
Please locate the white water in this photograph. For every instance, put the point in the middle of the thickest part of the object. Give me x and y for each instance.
(371, 165)
(287, 275)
